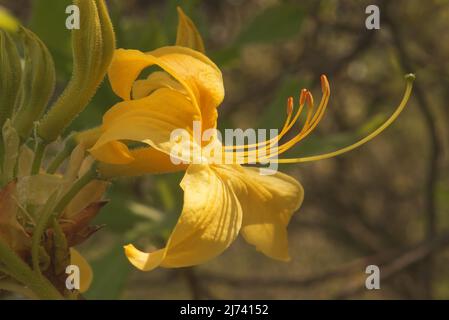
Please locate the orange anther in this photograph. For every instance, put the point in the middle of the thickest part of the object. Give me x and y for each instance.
(309, 98)
(289, 105)
(302, 96)
(324, 84)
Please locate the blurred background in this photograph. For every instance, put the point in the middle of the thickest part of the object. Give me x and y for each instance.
(385, 204)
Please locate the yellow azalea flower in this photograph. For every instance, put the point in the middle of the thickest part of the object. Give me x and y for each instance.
(220, 200)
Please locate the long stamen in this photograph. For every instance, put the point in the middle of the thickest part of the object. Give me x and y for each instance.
(312, 120)
(307, 130)
(311, 123)
(286, 127)
(408, 90)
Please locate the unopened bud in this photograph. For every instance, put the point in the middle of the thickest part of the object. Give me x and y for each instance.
(93, 47)
(38, 83)
(10, 75)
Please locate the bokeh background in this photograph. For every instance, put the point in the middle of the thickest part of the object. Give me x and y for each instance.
(386, 203)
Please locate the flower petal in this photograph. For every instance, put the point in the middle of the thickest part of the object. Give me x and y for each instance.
(199, 74)
(114, 152)
(209, 223)
(155, 80)
(200, 77)
(188, 35)
(86, 274)
(146, 161)
(125, 67)
(150, 120)
(268, 205)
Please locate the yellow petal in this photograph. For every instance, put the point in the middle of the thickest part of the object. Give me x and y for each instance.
(146, 161)
(268, 204)
(150, 120)
(114, 152)
(155, 80)
(124, 69)
(86, 274)
(209, 223)
(188, 35)
(199, 74)
(88, 137)
(200, 77)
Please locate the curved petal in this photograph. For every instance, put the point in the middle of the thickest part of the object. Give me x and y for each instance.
(146, 161)
(268, 206)
(86, 274)
(114, 152)
(268, 202)
(209, 223)
(200, 77)
(155, 80)
(125, 67)
(145, 120)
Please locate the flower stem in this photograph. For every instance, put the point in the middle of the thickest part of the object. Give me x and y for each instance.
(51, 210)
(38, 156)
(44, 218)
(19, 270)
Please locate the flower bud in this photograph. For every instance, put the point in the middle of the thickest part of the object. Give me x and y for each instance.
(10, 76)
(38, 82)
(93, 47)
(188, 35)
